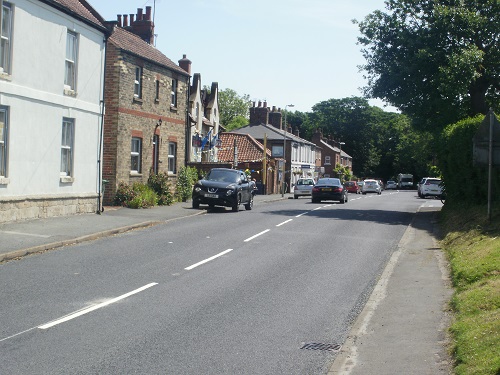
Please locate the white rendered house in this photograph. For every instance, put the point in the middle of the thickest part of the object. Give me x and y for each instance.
(51, 91)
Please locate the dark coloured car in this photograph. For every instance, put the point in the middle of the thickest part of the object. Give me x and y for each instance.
(224, 187)
(329, 189)
(353, 187)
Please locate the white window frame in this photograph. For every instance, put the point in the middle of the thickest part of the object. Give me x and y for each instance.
(328, 160)
(4, 146)
(6, 19)
(172, 157)
(71, 61)
(138, 82)
(67, 146)
(136, 155)
(173, 96)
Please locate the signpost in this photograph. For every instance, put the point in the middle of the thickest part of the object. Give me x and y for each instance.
(486, 149)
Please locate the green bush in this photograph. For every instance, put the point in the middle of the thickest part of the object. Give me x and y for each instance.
(124, 194)
(186, 178)
(159, 183)
(137, 195)
(464, 182)
(146, 196)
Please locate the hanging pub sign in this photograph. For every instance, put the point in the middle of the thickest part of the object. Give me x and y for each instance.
(196, 140)
(488, 134)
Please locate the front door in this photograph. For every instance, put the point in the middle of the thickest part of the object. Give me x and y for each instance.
(156, 152)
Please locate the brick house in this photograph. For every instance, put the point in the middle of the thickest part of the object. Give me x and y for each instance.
(299, 154)
(331, 154)
(204, 119)
(249, 156)
(146, 98)
(51, 91)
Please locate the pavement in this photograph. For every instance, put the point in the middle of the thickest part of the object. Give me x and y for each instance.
(401, 330)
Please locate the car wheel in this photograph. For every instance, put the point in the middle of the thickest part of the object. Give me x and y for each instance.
(196, 204)
(249, 205)
(236, 204)
(364, 193)
(295, 197)
(315, 200)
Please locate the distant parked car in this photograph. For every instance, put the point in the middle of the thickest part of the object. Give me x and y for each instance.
(352, 187)
(360, 184)
(391, 185)
(430, 187)
(329, 189)
(224, 187)
(303, 187)
(371, 186)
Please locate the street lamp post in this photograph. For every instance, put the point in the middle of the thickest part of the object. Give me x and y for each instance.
(341, 164)
(283, 169)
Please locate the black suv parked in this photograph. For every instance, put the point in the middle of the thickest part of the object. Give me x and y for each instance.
(224, 187)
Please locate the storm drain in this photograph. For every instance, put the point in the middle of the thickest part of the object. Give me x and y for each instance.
(321, 346)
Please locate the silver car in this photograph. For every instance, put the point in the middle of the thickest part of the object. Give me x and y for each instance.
(371, 186)
(303, 187)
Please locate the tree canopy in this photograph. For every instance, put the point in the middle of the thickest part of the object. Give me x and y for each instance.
(233, 109)
(437, 61)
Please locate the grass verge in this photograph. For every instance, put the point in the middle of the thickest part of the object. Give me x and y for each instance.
(472, 244)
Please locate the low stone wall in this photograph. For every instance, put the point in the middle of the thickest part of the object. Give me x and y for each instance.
(40, 207)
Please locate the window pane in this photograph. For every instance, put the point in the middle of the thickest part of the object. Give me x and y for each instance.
(70, 73)
(67, 147)
(172, 157)
(5, 38)
(3, 142)
(135, 155)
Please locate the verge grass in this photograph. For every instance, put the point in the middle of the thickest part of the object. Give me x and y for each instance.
(472, 244)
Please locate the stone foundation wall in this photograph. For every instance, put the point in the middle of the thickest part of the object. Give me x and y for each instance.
(25, 208)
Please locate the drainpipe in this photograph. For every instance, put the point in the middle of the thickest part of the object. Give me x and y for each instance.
(100, 208)
(188, 125)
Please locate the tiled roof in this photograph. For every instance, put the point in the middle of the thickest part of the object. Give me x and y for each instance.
(81, 9)
(249, 149)
(336, 149)
(258, 131)
(134, 44)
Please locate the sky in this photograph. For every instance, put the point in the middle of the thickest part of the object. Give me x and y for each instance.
(280, 51)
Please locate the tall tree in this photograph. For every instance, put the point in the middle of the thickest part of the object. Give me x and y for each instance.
(233, 108)
(437, 61)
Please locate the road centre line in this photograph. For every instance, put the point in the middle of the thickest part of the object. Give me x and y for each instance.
(25, 234)
(257, 235)
(93, 308)
(207, 260)
(302, 214)
(287, 221)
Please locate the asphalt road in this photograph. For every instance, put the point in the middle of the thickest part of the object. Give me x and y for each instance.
(219, 293)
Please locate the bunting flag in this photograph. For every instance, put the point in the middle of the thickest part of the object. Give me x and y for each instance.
(205, 140)
(213, 142)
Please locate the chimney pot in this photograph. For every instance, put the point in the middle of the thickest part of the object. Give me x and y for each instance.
(125, 20)
(131, 19)
(119, 19)
(148, 13)
(139, 14)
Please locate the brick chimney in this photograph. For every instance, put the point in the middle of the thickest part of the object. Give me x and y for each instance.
(275, 118)
(142, 25)
(185, 64)
(259, 115)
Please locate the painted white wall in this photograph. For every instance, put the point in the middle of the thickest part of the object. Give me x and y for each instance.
(35, 96)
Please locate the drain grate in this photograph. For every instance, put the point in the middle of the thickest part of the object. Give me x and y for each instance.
(321, 346)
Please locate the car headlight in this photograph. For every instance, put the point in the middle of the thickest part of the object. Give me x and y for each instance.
(197, 189)
(230, 192)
